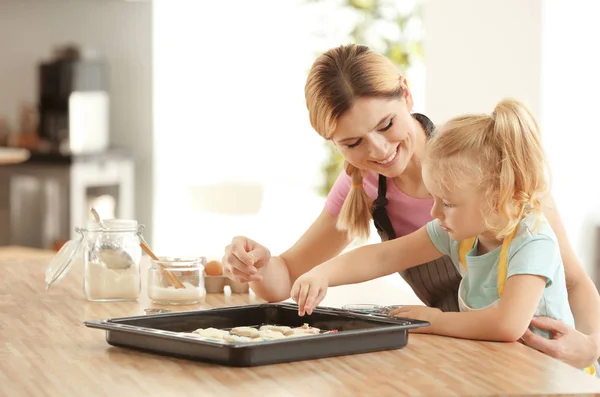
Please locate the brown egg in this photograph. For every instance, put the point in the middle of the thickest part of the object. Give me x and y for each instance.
(214, 268)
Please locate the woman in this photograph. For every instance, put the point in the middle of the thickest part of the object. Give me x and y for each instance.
(357, 100)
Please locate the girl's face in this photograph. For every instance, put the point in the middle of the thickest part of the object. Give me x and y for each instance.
(378, 135)
(460, 212)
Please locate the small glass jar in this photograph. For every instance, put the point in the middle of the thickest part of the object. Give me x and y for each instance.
(176, 281)
(111, 255)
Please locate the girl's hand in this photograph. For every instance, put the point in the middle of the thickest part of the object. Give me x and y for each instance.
(308, 291)
(419, 312)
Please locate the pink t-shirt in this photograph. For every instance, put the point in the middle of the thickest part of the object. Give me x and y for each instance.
(406, 213)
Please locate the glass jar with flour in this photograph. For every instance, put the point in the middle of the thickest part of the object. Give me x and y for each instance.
(111, 255)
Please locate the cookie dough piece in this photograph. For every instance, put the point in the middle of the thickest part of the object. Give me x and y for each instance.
(236, 338)
(246, 331)
(211, 339)
(297, 331)
(309, 328)
(269, 335)
(277, 328)
(304, 329)
(211, 333)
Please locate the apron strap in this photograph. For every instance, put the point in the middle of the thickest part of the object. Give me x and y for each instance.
(380, 217)
(591, 370)
(463, 249)
(503, 265)
(427, 124)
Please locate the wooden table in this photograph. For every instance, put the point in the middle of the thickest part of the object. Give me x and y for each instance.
(47, 351)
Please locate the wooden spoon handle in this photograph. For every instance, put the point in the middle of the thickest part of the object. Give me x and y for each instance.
(172, 279)
(148, 251)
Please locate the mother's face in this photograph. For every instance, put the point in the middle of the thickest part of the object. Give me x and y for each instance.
(378, 134)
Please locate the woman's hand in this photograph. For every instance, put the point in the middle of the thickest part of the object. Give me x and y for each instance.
(419, 312)
(244, 258)
(308, 291)
(567, 344)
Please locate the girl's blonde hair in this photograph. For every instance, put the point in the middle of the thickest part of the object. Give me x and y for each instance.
(501, 153)
(336, 79)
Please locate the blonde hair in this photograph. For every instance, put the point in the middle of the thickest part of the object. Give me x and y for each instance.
(336, 79)
(501, 153)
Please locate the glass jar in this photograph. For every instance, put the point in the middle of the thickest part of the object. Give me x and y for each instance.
(112, 259)
(111, 256)
(176, 281)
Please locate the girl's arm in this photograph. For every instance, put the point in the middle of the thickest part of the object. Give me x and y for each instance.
(378, 260)
(505, 323)
(363, 264)
(531, 268)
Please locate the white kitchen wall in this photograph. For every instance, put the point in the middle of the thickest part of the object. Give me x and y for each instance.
(478, 51)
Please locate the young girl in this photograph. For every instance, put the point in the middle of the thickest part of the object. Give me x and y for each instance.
(486, 174)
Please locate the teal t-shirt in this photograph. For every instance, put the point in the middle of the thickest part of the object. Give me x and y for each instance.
(532, 251)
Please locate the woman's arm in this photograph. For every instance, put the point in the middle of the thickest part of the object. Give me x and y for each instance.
(271, 278)
(380, 259)
(583, 295)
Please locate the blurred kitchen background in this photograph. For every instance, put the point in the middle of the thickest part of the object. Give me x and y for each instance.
(189, 115)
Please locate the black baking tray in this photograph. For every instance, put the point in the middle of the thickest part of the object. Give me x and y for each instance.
(164, 334)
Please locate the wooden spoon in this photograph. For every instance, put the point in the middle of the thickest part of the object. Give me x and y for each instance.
(172, 279)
